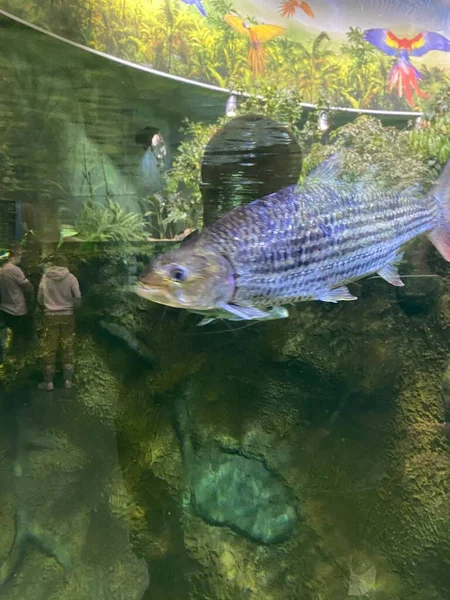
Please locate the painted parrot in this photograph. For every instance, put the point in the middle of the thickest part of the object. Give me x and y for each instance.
(288, 8)
(198, 4)
(257, 34)
(403, 74)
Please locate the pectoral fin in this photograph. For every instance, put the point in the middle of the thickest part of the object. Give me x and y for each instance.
(246, 313)
(206, 321)
(336, 295)
(390, 274)
(276, 312)
(279, 312)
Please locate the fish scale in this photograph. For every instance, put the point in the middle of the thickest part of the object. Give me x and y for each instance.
(316, 245)
(300, 243)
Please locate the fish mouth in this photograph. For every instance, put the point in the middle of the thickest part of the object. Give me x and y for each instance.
(154, 289)
(155, 294)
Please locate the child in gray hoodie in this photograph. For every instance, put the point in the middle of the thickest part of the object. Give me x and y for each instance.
(59, 293)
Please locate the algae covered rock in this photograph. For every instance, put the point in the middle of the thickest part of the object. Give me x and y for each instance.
(241, 493)
(99, 389)
(65, 538)
(446, 391)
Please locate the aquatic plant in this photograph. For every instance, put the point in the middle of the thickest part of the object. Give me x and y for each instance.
(8, 179)
(167, 216)
(109, 222)
(433, 141)
(398, 157)
(367, 143)
(283, 106)
(182, 180)
(180, 203)
(431, 138)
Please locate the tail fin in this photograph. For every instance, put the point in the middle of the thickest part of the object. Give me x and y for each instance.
(440, 236)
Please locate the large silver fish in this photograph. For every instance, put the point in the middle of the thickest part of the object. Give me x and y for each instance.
(300, 243)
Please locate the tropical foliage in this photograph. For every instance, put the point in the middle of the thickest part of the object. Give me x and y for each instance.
(398, 157)
(109, 222)
(172, 36)
(431, 139)
(8, 180)
(394, 157)
(168, 213)
(179, 205)
(370, 148)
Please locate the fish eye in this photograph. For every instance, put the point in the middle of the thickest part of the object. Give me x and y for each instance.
(178, 274)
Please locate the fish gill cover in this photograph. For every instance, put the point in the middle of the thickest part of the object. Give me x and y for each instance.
(372, 54)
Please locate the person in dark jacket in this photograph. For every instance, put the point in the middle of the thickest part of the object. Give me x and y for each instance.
(59, 293)
(16, 299)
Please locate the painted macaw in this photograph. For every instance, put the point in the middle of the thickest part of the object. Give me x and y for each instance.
(288, 8)
(198, 4)
(403, 74)
(257, 34)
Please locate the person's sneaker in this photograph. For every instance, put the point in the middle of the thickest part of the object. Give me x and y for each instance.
(67, 375)
(48, 387)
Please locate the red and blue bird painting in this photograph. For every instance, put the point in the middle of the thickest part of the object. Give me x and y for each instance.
(288, 8)
(404, 76)
(257, 35)
(198, 4)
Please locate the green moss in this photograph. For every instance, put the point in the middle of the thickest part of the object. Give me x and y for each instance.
(98, 386)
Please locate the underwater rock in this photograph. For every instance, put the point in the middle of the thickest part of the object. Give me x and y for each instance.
(239, 492)
(419, 295)
(445, 391)
(227, 488)
(122, 333)
(65, 460)
(26, 498)
(363, 577)
(98, 386)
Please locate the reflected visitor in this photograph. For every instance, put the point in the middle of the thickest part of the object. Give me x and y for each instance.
(153, 161)
(16, 299)
(59, 293)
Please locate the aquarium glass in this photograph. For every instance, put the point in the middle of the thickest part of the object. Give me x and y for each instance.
(203, 396)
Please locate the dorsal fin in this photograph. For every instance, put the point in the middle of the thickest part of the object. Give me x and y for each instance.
(191, 237)
(328, 170)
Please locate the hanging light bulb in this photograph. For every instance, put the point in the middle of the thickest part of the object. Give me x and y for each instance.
(323, 123)
(230, 109)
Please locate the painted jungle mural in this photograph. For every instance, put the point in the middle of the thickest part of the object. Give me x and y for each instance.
(370, 54)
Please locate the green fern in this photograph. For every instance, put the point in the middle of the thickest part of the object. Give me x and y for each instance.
(110, 222)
